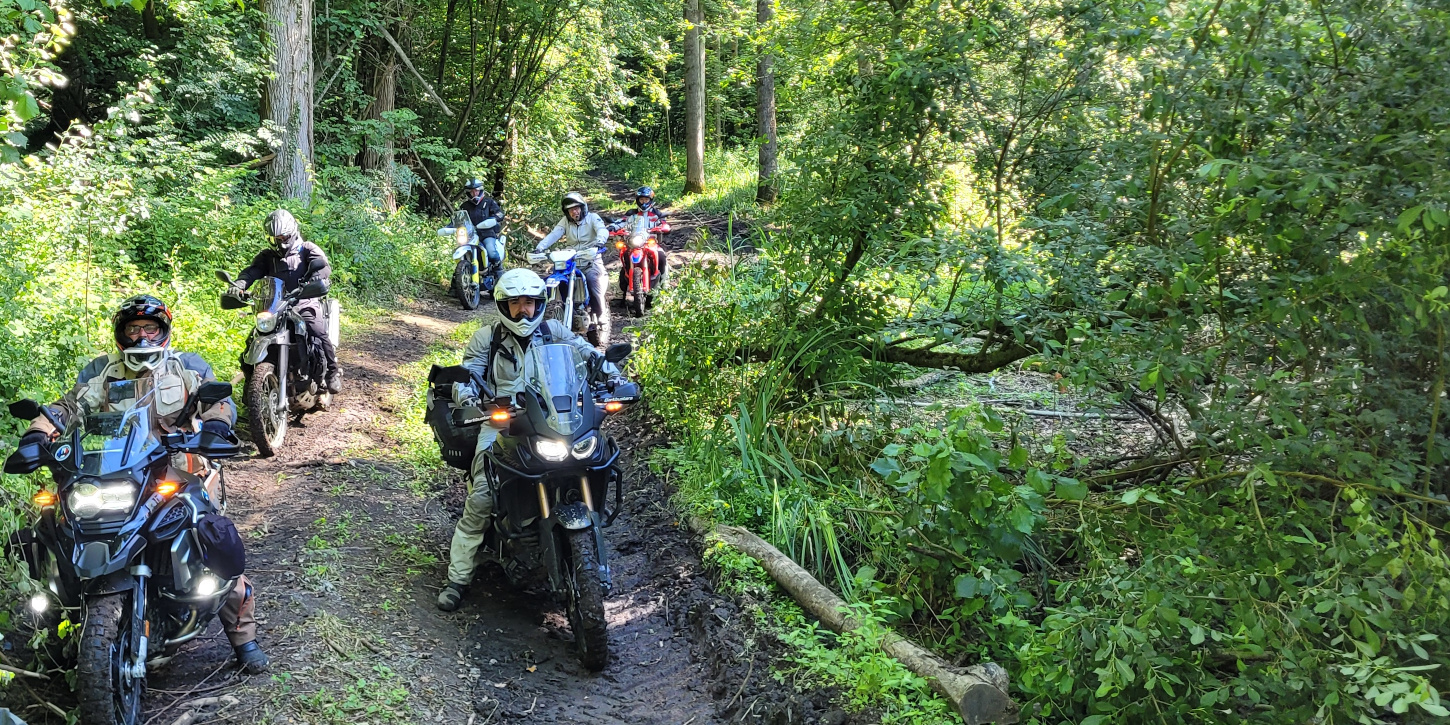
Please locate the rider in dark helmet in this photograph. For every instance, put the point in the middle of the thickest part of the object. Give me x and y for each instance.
(291, 260)
(142, 331)
(644, 203)
(481, 207)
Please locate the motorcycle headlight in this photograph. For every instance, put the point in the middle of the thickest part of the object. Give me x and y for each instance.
(266, 322)
(638, 240)
(87, 500)
(551, 450)
(584, 447)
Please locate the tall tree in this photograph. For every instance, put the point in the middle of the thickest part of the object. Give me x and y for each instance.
(288, 98)
(765, 190)
(694, 100)
(378, 154)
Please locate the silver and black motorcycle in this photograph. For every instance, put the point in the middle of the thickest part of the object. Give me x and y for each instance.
(286, 370)
(480, 253)
(552, 472)
(116, 541)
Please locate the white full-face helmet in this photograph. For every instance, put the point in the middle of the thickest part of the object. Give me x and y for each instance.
(520, 282)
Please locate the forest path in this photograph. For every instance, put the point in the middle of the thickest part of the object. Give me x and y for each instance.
(348, 549)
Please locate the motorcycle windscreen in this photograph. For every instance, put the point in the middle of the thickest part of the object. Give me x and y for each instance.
(269, 297)
(557, 373)
(114, 442)
(639, 234)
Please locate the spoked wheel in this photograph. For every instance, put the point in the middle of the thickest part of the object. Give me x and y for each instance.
(266, 410)
(586, 601)
(469, 292)
(637, 283)
(107, 694)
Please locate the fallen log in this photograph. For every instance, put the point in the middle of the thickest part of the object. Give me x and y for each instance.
(978, 693)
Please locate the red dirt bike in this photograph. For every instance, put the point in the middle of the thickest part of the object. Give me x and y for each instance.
(638, 243)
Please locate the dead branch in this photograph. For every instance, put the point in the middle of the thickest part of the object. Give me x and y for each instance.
(977, 693)
(409, 63)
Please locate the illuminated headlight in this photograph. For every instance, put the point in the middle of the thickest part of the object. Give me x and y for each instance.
(208, 585)
(266, 322)
(584, 447)
(39, 603)
(637, 241)
(551, 450)
(87, 500)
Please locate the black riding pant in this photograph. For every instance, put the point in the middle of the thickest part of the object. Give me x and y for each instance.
(317, 327)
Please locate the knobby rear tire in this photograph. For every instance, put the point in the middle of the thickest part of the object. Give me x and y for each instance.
(586, 601)
(268, 431)
(102, 693)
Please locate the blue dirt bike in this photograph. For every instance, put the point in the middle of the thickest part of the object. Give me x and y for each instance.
(568, 291)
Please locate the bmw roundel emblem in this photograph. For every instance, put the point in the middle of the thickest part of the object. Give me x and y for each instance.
(63, 452)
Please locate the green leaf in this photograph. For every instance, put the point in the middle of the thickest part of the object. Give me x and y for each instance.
(967, 586)
(1018, 459)
(1433, 709)
(1408, 217)
(1070, 489)
(1022, 518)
(1131, 496)
(1093, 720)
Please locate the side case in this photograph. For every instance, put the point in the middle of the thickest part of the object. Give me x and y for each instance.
(334, 321)
(455, 443)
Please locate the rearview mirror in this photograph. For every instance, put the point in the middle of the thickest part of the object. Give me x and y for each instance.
(224, 276)
(25, 409)
(212, 392)
(618, 352)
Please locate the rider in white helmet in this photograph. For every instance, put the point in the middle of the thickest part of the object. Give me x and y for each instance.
(493, 357)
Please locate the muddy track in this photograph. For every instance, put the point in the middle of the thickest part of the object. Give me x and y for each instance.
(348, 545)
(348, 550)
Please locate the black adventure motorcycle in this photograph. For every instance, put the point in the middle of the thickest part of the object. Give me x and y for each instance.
(551, 471)
(117, 541)
(285, 368)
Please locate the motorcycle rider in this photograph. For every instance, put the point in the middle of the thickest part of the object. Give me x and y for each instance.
(480, 207)
(293, 260)
(142, 330)
(493, 358)
(644, 201)
(584, 231)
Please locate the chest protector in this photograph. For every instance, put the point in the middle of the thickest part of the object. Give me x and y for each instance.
(171, 381)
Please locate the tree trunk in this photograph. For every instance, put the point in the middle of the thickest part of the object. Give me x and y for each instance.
(766, 190)
(977, 693)
(288, 99)
(380, 156)
(694, 100)
(149, 23)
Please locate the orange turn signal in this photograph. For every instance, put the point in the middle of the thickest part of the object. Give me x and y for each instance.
(619, 246)
(499, 416)
(43, 498)
(166, 488)
(613, 406)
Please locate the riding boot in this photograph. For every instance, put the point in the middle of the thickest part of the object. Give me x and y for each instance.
(334, 373)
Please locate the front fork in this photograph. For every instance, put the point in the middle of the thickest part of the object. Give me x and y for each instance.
(140, 625)
(549, 542)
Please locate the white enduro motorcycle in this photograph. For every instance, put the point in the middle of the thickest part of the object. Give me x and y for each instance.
(480, 252)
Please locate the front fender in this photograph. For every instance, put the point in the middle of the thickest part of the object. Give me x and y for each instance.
(573, 516)
(462, 250)
(259, 345)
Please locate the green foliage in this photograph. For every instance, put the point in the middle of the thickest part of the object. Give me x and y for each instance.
(732, 173)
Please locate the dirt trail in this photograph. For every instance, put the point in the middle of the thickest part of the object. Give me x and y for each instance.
(348, 551)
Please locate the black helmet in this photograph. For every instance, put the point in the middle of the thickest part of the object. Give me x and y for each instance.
(281, 226)
(571, 200)
(643, 192)
(145, 353)
(474, 183)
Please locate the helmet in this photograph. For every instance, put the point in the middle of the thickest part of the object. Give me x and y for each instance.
(281, 226)
(571, 200)
(142, 354)
(643, 192)
(474, 183)
(520, 282)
